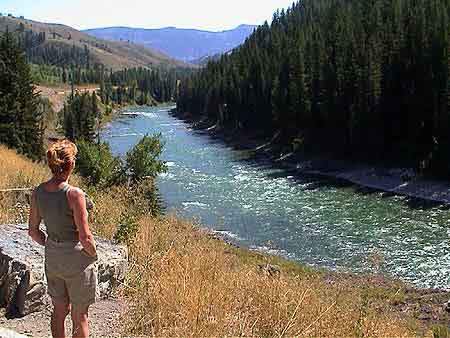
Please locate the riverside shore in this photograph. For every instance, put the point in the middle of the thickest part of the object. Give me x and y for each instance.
(392, 181)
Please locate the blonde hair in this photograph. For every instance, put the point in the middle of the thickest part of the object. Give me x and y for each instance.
(59, 156)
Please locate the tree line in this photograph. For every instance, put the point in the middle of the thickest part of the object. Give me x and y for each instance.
(81, 117)
(142, 86)
(356, 79)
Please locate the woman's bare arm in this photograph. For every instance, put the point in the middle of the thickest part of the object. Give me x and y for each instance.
(77, 202)
(34, 220)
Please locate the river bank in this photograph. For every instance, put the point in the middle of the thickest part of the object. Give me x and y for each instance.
(419, 189)
(183, 281)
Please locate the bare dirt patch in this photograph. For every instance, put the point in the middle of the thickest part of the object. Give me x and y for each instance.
(104, 317)
(57, 95)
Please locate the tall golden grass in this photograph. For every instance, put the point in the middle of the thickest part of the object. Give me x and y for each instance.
(17, 172)
(184, 282)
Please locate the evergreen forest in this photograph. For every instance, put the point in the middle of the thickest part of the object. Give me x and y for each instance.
(366, 80)
(142, 86)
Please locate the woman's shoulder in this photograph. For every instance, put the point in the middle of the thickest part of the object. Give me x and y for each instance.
(75, 191)
(77, 195)
(39, 188)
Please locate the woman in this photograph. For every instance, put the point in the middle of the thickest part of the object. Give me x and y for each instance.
(70, 251)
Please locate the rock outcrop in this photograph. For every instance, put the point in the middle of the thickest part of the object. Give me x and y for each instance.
(23, 288)
(5, 333)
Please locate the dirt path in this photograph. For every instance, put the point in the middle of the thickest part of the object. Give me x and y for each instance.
(57, 95)
(104, 316)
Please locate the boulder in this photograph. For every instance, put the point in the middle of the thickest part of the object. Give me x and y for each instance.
(5, 333)
(23, 287)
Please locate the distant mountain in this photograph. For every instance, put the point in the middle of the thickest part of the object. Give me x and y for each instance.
(65, 39)
(182, 44)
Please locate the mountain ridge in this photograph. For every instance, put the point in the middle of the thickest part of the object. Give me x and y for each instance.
(241, 26)
(112, 54)
(185, 44)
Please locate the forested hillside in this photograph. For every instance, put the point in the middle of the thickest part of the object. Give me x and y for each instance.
(142, 86)
(59, 45)
(365, 80)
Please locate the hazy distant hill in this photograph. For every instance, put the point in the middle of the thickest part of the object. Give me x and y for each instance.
(182, 44)
(115, 55)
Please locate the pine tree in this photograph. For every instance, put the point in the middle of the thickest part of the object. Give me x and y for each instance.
(21, 118)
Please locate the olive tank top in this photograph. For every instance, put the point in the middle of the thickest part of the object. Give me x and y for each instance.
(57, 215)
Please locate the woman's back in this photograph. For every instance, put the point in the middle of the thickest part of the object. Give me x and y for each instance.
(70, 251)
(56, 213)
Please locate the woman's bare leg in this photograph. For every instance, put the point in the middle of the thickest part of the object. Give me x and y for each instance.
(59, 314)
(80, 322)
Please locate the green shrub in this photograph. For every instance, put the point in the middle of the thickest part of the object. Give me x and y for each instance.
(126, 230)
(96, 163)
(143, 160)
(136, 177)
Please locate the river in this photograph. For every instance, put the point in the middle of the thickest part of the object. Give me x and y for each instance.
(301, 218)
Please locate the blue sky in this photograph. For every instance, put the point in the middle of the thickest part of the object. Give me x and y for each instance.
(203, 14)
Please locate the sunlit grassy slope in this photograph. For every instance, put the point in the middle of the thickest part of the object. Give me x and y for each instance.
(184, 282)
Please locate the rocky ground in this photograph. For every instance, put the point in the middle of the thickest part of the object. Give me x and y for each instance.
(395, 181)
(24, 304)
(105, 320)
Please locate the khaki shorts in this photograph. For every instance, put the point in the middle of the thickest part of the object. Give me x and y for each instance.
(71, 273)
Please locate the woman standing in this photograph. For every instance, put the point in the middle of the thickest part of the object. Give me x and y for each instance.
(70, 251)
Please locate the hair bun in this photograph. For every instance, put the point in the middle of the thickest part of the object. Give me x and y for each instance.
(59, 155)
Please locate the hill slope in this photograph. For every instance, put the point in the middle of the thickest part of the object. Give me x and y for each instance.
(112, 54)
(182, 44)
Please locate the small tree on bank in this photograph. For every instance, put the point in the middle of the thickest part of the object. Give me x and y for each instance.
(143, 160)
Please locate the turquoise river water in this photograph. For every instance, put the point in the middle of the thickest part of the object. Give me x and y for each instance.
(302, 218)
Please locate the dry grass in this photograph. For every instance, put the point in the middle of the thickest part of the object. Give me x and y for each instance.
(110, 206)
(186, 283)
(17, 172)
